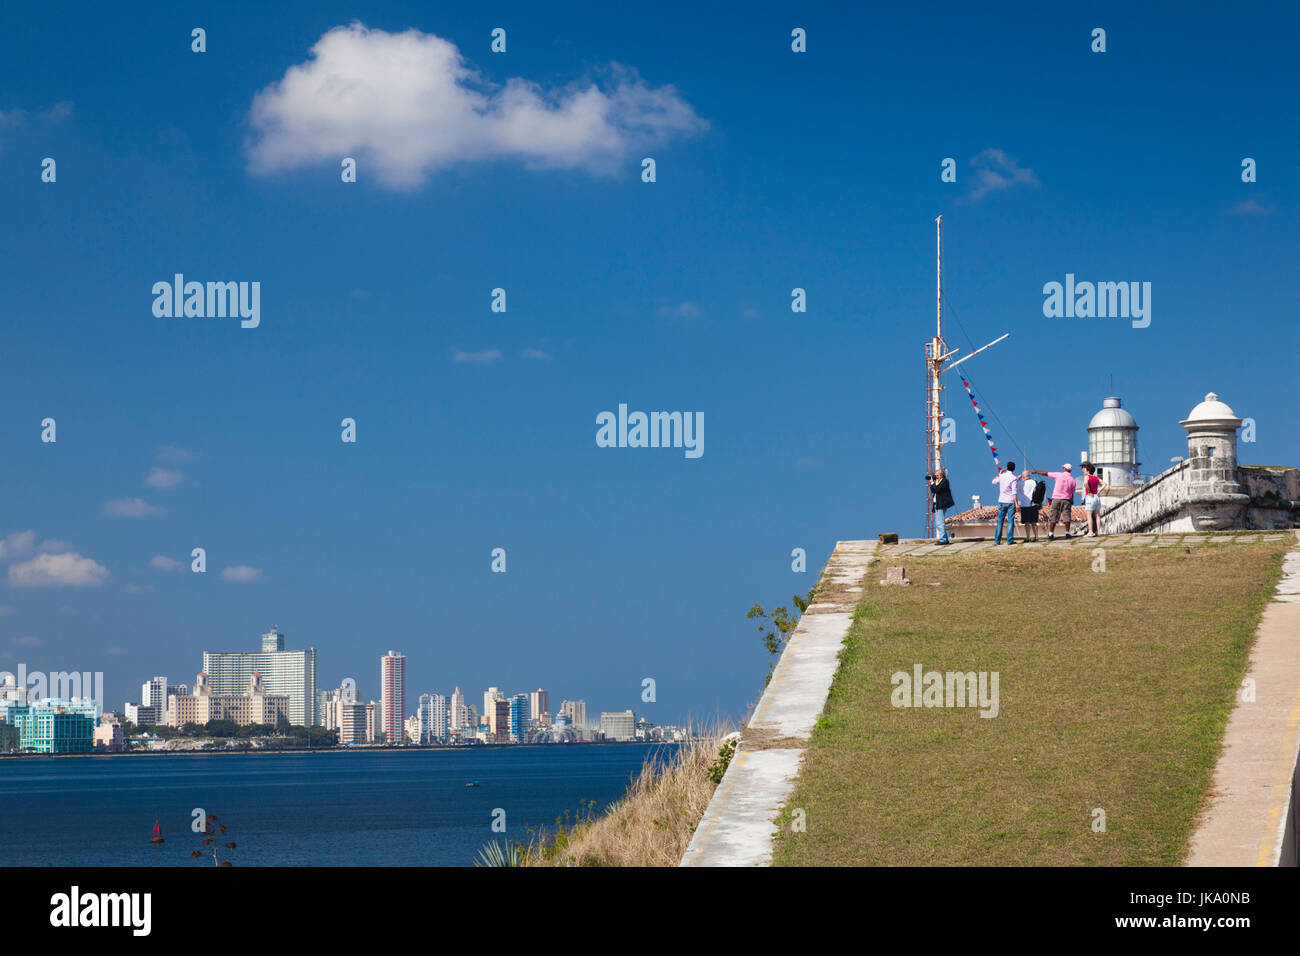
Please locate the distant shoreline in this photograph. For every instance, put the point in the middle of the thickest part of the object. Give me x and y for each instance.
(408, 748)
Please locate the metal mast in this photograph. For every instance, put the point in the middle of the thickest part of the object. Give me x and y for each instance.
(936, 354)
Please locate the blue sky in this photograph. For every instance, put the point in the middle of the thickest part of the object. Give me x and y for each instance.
(476, 429)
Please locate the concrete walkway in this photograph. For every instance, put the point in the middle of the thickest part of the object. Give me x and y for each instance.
(738, 825)
(1251, 820)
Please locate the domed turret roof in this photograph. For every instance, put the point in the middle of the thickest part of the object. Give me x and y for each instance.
(1112, 416)
(1212, 411)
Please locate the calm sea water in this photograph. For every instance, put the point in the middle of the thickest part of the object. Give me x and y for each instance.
(346, 808)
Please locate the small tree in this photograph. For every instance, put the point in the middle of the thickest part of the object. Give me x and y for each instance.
(775, 628)
(210, 840)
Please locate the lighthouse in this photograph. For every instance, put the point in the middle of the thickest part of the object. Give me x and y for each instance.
(1113, 448)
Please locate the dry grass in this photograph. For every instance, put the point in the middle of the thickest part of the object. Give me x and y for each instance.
(1115, 688)
(651, 825)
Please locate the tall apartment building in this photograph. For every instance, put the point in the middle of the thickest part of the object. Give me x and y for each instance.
(458, 715)
(618, 725)
(331, 703)
(352, 726)
(499, 721)
(153, 693)
(490, 695)
(392, 681)
(372, 722)
(288, 673)
(538, 704)
(519, 719)
(433, 718)
(576, 711)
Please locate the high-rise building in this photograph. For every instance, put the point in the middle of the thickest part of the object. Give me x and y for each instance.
(288, 673)
(353, 722)
(458, 714)
(538, 704)
(331, 702)
(499, 721)
(576, 711)
(392, 680)
(489, 695)
(372, 722)
(620, 725)
(433, 718)
(153, 693)
(519, 719)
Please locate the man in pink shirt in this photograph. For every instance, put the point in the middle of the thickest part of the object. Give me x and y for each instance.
(1063, 486)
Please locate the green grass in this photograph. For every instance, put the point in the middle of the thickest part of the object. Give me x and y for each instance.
(1114, 691)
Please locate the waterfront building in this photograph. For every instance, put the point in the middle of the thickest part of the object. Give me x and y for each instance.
(372, 722)
(411, 730)
(433, 718)
(459, 716)
(53, 729)
(499, 721)
(538, 704)
(153, 693)
(254, 706)
(108, 735)
(519, 719)
(353, 722)
(576, 711)
(291, 673)
(489, 696)
(619, 725)
(392, 680)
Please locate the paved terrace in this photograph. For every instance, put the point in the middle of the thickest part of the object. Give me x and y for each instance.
(1252, 787)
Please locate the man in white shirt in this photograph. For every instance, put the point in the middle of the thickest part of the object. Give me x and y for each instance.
(1028, 510)
(1007, 482)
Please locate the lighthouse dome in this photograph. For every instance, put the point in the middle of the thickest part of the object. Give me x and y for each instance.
(1211, 410)
(1112, 416)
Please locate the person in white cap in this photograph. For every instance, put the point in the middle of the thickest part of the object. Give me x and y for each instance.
(1063, 486)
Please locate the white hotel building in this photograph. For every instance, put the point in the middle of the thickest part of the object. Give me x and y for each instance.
(288, 673)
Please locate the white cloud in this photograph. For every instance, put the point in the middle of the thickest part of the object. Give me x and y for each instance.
(1250, 207)
(486, 357)
(407, 104)
(131, 508)
(535, 354)
(995, 171)
(138, 589)
(27, 641)
(163, 478)
(682, 310)
(17, 545)
(57, 570)
(160, 562)
(241, 573)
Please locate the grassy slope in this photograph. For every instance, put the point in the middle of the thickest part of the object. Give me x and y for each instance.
(1115, 688)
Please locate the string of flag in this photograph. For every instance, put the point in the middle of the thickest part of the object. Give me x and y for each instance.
(993, 449)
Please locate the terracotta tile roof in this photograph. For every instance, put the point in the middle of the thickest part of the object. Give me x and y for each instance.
(990, 513)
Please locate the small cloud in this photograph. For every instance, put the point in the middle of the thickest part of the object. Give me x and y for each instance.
(486, 357)
(17, 545)
(160, 562)
(57, 570)
(750, 313)
(1249, 207)
(175, 455)
(54, 546)
(28, 641)
(241, 573)
(535, 354)
(131, 508)
(996, 171)
(682, 310)
(138, 589)
(163, 478)
(60, 110)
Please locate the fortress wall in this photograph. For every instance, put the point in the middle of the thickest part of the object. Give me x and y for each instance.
(1156, 506)
(1274, 497)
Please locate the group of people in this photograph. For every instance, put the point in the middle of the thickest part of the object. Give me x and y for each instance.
(1029, 494)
